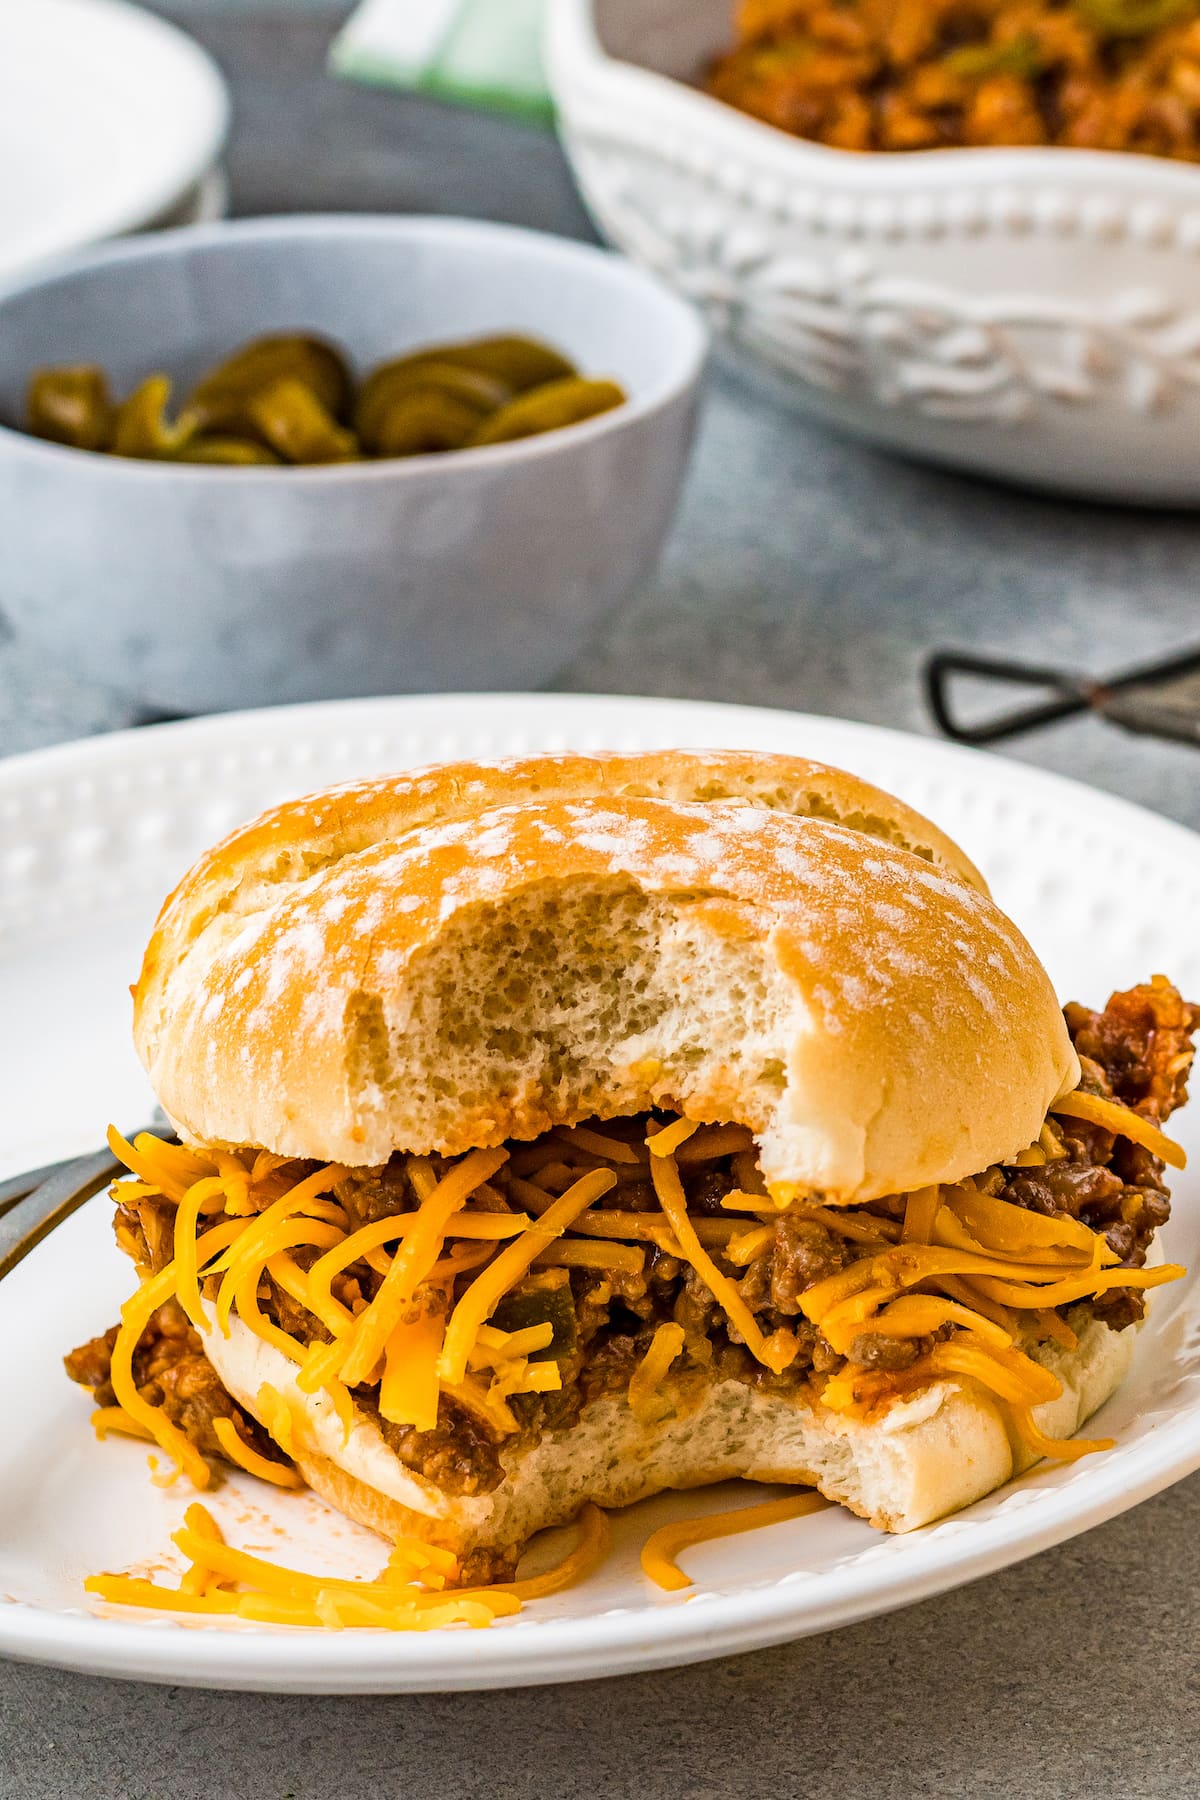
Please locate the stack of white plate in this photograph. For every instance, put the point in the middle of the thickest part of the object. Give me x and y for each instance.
(110, 121)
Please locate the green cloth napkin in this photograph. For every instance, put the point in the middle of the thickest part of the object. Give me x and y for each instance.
(484, 52)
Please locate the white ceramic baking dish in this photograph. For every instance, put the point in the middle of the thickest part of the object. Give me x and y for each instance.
(1032, 314)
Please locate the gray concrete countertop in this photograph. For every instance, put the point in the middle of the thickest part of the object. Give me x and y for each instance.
(803, 571)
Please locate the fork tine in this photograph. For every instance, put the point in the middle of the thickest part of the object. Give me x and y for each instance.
(17, 1186)
(33, 1218)
(31, 1214)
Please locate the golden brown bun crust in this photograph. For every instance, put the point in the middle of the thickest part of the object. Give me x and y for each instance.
(289, 842)
(875, 1021)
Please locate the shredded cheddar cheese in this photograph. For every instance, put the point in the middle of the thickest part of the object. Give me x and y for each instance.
(627, 1257)
(645, 1400)
(247, 1457)
(408, 1393)
(276, 1414)
(920, 1210)
(1124, 1122)
(920, 1315)
(666, 1141)
(663, 1547)
(135, 1317)
(409, 1594)
(197, 1579)
(413, 1262)
(671, 1198)
(261, 1237)
(187, 1219)
(493, 1346)
(1058, 1449)
(114, 1418)
(749, 1244)
(490, 1286)
(702, 1143)
(972, 1275)
(599, 1143)
(589, 1552)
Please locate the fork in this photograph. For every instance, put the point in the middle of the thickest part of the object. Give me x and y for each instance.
(31, 1205)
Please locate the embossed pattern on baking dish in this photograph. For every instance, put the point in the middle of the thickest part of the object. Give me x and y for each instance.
(1026, 312)
(91, 837)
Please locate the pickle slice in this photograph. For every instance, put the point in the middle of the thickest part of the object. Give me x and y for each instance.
(72, 406)
(548, 408)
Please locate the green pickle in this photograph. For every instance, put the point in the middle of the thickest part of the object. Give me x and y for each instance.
(290, 398)
(292, 421)
(548, 408)
(395, 381)
(72, 406)
(424, 421)
(221, 398)
(235, 452)
(518, 362)
(143, 429)
(545, 1296)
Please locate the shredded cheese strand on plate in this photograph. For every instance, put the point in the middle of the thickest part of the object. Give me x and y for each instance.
(408, 1595)
(1057, 1449)
(106, 1419)
(663, 1547)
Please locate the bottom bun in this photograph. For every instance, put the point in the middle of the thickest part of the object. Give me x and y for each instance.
(923, 1458)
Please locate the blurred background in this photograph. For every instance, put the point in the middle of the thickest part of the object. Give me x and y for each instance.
(805, 567)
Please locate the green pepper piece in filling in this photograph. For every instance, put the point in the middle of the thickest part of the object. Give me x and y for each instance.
(540, 1298)
(1135, 18)
(395, 381)
(290, 418)
(548, 408)
(143, 429)
(221, 398)
(71, 406)
(1020, 56)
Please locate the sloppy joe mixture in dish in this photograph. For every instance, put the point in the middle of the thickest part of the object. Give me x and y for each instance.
(941, 74)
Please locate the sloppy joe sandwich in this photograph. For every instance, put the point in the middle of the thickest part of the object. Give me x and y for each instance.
(570, 1129)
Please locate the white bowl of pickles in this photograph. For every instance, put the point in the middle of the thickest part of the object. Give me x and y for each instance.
(306, 458)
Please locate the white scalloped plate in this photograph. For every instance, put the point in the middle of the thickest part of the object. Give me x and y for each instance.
(91, 837)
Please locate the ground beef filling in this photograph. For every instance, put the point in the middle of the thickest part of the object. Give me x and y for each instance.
(1137, 1050)
(172, 1371)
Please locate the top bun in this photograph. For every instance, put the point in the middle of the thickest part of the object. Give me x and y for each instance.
(448, 959)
